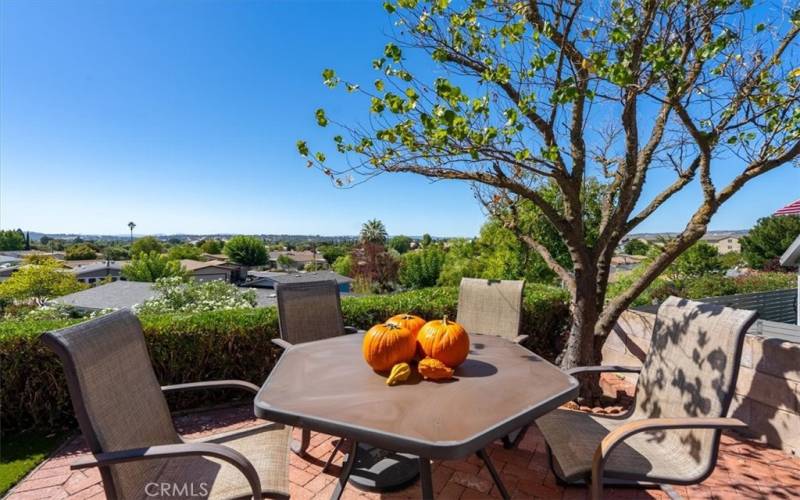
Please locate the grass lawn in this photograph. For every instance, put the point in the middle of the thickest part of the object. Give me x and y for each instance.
(20, 453)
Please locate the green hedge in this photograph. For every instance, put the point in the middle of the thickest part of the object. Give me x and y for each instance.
(218, 345)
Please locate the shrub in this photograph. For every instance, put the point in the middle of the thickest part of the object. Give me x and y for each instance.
(178, 295)
(421, 268)
(228, 344)
(185, 251)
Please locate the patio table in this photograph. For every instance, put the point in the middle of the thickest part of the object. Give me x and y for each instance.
(326, 386)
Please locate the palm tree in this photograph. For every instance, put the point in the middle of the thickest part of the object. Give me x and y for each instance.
(131, 225)
(373, 231)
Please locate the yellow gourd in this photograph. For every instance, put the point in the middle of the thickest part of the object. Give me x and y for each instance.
(434, 369)
(400, 373)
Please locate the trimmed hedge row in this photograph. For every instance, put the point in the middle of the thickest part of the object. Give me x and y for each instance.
(219, 345)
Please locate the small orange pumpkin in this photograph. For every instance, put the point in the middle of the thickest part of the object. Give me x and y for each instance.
(434, 369)
(444, 340)
(413, 323)
(387, 344)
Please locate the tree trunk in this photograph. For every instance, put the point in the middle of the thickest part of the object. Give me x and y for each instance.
(580, 349)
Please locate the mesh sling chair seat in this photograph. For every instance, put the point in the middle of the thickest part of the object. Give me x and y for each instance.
(309, 311)
(671, 435)
(493, 307)
(124, 417)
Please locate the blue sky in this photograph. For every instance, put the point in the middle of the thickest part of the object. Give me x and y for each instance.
(183, 115)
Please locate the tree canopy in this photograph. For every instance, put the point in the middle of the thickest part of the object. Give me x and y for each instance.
(769, 238)
(39, 282)
(531, 97)
(12, 239)
(184, 251)
(246, 250)
(81, 251)
(151, 266)
(146, 244)
(373, 231)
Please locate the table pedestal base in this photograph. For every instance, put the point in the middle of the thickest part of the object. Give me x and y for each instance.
(375, 469)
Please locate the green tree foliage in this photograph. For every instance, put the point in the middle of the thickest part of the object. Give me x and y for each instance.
(769, 238)
(373, 231)
(116, 253)
(39, 282)
(421, 268)
(426, 240)
(532, 96)
(401, 244)
(12, 239)
(343, 265)
(81, 251)
(332, 252)
(212, 246)
(246, 250)
(636, 247)
(152, 266)
(730, 260)
(699, 260)
(184, 251)
(146, 245)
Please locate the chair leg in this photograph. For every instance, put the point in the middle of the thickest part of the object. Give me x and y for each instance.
(300, 447)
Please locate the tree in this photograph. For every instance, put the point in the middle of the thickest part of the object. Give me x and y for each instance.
(12, 240)
(211, 246)
(146, 245)
(401, 244)
(246, 250)
(426, 240)
(152, 266)
(184, 251)
(332, 252)
(769, 238)
(555, 94)
(373, 231)
(40, 282)
(636, 247)
(116, 253)
(343, 265)
(421, 268)
(699, 260)
(131, 225)
(81, 251)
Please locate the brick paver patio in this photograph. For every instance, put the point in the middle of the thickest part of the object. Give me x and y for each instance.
(746, 470)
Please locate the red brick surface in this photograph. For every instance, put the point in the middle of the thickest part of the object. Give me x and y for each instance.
(746, 470)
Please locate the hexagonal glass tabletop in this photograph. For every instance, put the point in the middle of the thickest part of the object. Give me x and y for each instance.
(327, 386)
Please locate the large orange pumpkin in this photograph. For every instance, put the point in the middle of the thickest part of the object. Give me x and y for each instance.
(444, 340)
(387, 344)
(409, 321)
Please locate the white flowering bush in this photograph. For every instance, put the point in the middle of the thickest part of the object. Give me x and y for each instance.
(177, 295)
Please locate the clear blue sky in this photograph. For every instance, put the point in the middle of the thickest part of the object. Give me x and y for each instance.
(183, 115)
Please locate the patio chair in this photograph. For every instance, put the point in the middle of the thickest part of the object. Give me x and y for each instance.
(124, 417)
(309, 311)
(671, 435)
(492, 307)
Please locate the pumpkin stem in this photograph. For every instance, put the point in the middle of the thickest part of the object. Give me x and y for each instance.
(444, 320)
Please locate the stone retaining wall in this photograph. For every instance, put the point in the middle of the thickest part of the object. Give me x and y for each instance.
(768, 388)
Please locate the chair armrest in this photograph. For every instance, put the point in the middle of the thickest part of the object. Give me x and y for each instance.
(349, 330)
(519, 339)
(281, 343)
(620, 434)
(213, 384)
(604, 369)
(229, 455)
